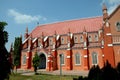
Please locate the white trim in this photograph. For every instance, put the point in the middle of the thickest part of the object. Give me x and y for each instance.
(108, 34)
(68, 49)
(53, 50)
(48, 60)
(27, 57)
(102, 47)
(107, 24)
(25, 40)
(103, 55)
(49, 55)
(110, 44)
(34, 40)
(85, 48)
(68, 57)
(85, 56)
(45, 38)
(58, 36)
(71, 35)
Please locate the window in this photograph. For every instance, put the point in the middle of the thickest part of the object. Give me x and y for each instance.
(62, 58)
(77, 58)
(75, 39)
(81, 38)
(50, 42)
(89, 38)
(94, 58)
(118, 25)
(62, 40)
(96, 38)
(24, 59)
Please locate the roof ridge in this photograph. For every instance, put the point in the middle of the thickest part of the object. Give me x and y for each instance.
(68, 21)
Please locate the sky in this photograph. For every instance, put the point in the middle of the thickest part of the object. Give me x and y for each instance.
(20, 14)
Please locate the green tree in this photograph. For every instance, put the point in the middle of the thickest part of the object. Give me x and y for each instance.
(36, 62)
(17, 51)
(4, 56)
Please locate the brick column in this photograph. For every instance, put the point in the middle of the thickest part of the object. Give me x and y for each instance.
(69, 53)
(49, 63)
(86, 52)
(54, 53)
(86, 59)
(29, 54)
(69, 60)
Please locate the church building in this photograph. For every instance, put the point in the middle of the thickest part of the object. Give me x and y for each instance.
(80, 43)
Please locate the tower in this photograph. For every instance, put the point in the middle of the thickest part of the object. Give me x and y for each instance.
(108, 46)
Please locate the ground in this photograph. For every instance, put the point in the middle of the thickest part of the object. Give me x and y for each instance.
(45, 75)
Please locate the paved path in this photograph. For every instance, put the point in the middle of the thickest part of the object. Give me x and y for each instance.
(57, 72)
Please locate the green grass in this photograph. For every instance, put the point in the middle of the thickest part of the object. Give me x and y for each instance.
(40, 77)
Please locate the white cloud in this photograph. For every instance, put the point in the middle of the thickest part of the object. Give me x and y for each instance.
(112, 4)
(21, 18)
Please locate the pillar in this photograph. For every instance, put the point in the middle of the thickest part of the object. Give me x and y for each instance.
(86, 59)
(69, 60)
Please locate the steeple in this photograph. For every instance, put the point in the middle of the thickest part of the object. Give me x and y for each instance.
(105, 14)
(26, 33)
(104, 7)
(26, 29)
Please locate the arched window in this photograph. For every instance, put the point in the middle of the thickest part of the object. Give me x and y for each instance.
(77, 58)
(89, 38)
(24, 59)
(94, 58)
(62, 40)
(62, 59)
(96, 37)
(81, 38)
(76, 39)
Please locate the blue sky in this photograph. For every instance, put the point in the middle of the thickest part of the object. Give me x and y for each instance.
(21, 13)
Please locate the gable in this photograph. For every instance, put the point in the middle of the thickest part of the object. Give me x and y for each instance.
(114, 20)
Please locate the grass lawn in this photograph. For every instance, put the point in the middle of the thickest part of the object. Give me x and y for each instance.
(40, 77)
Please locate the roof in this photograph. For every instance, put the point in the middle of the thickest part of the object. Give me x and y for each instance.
(75, 26)
(114, 11)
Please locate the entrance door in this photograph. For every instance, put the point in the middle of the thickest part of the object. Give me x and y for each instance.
(42, 62)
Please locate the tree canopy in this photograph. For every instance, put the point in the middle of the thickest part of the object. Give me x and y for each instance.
(4, 58)
(36, 61)
(17, 51)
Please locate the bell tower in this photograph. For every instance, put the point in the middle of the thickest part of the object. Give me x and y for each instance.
(108, 46)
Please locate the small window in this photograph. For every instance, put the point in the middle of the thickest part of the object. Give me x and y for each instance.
(75, 39)
(24, 59)
(90, 38)
(62, 40)
(62, 59)
(118, 25)
(94, 58)
(81, 38)
(77, 58)
(96, 38)
(50, 42)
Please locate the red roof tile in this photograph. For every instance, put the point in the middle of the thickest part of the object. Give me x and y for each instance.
(75, 26)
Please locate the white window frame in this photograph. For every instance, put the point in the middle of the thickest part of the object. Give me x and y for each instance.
(76, 39)
(96, 37)
(81, 38)
(76, 59)
(24, 59)
(63, 59)
(93, 55)
(90, 38)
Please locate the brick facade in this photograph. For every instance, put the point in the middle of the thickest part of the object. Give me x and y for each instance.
(82, 43)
